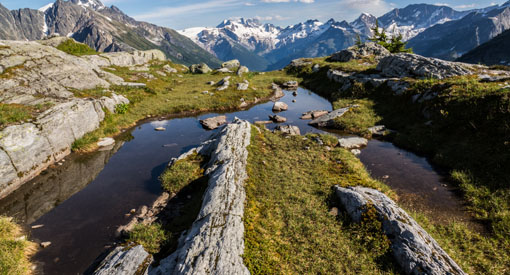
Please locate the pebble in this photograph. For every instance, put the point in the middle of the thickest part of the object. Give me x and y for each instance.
(45, 244)
(159, 129)
(132, 211)
(37, 226)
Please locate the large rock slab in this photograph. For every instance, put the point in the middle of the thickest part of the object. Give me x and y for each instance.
(39, 70)
(213, 122)
(215, 242)
(7, 171)
(122, 261)
(369, 49)
(417, 66)
(413, 248)
(328, 119)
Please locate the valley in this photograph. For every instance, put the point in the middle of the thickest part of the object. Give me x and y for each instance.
(249, 148)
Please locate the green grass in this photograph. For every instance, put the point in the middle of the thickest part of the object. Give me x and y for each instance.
(75, 48)
(171, 94)
(14, 251)
(288, 228)
(182, 172)
(463, 128)
(152, 237)
(13, 113)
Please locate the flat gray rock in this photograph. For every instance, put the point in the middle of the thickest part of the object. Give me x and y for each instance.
(122, 261)
(213, 122)
(328, 119)
(288, 130)
(417, 66)
(352, 142)
(369, 49)
(413, 248)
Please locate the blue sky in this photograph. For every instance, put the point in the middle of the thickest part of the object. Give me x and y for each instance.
(179, 14)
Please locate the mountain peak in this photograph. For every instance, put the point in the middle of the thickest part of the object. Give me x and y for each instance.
(93, 4)
(248, 22)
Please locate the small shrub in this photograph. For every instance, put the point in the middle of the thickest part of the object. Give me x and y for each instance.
(121, 108)
(74, 48)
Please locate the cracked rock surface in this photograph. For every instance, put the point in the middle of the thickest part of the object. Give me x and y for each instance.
(413, 248)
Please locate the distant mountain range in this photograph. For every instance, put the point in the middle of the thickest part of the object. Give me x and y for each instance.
(265, 46)
(103, 28)
(494, 52)
(454, 38)
(431, 30)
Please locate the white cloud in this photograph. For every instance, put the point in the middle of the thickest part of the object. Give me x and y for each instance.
(375, 7)
(205, 7)
(286, 1)
(270, 18)
(467, 6)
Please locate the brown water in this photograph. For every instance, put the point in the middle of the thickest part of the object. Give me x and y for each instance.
(83, 201)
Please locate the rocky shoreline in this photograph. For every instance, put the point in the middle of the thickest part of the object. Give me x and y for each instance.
(29, 147)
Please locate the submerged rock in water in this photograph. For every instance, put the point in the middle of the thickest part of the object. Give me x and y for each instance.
(277, 118)
(213, 122)
(413, 248)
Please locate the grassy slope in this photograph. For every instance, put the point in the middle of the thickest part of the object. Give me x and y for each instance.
(289, 230)
(466, 130)
(14, 249)
(173, 94)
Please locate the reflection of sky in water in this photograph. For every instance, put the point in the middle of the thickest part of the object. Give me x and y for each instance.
(159, 123)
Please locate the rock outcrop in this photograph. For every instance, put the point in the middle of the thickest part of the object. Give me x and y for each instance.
(201, 68)
(215, 242)
(417, 66)
(125, 261)
(39, 74)
(413, 248)
(369, 49)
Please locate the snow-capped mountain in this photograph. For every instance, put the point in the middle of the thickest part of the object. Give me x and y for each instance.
(265, 44)
(103, 28)
(455, 38)
(414, 19)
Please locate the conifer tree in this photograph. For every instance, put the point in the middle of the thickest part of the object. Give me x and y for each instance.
(393, 44)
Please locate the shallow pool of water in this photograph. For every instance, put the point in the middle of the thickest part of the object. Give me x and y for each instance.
(82, 202)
